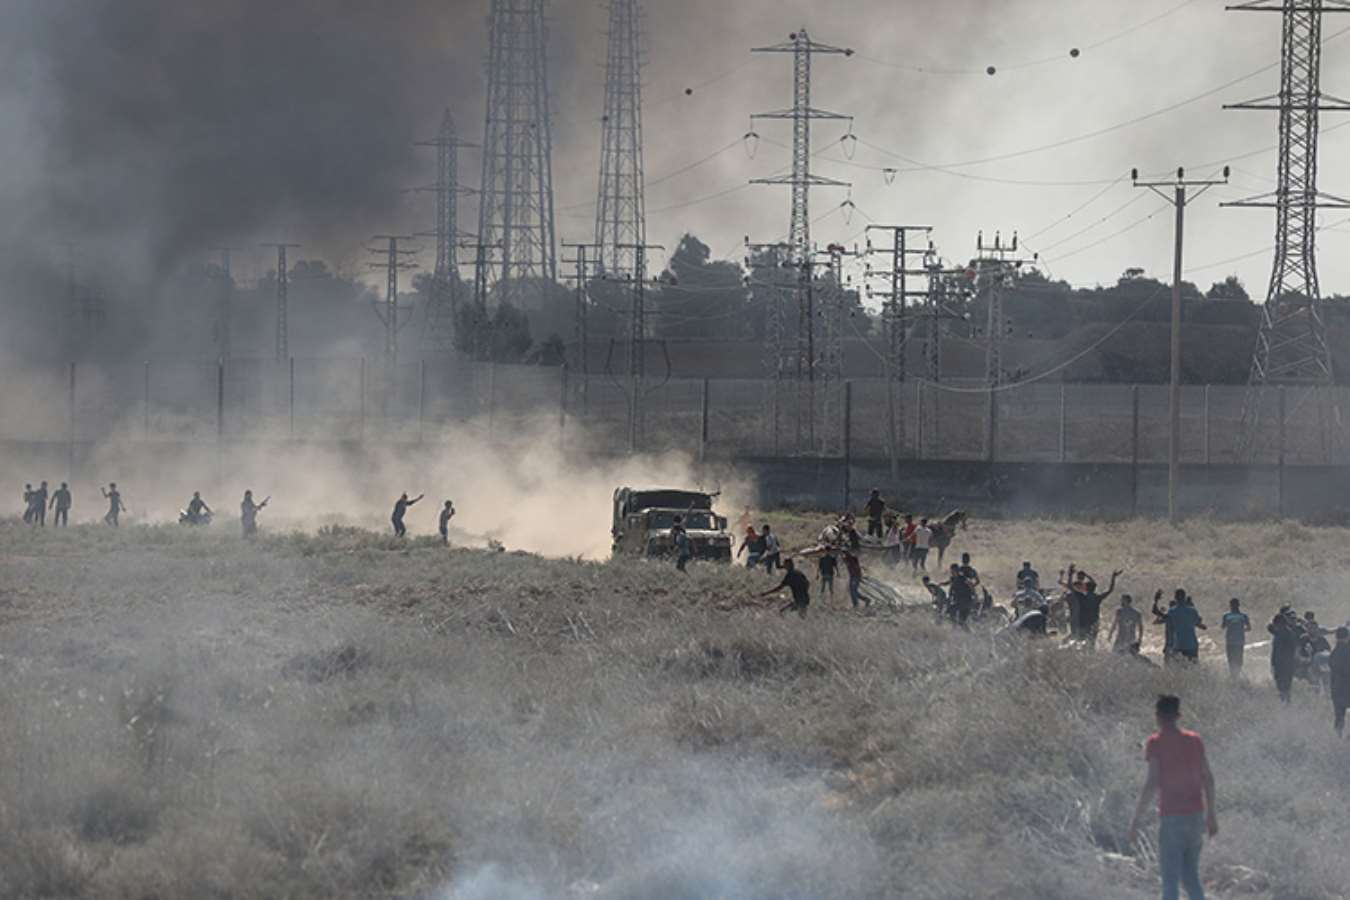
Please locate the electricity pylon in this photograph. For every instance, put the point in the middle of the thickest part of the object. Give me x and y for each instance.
(515, 214)
(896, 317)
(443, 305)
(995, 265)
(800, 361)
(1291, 347)
(388, 310)
(282, 345)
(223, 324)
(620, 210)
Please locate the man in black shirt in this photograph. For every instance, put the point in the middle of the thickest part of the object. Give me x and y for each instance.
(61, 503)
(1340, 678)
(447, 513)
(876, 508)
(796, 582)
(40, 505)
(962, 594)
(1027, 577)
(1285, 633)
(1090, 608)
(400, 509)
(828, 564)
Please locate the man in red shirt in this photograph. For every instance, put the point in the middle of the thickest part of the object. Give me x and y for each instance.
(1179, 773)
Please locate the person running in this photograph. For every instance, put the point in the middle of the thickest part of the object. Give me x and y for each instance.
(40, 506)
(1160, 618)
(1340, 678)
(1185, 619)
(1285, 633)
(923, 539)
(683, 547)
(798, 584)
(754, 544)
(875, 508)
(1127, 628)
(827, 565)
(772, 550)
(400, 510)
(443, 524)
(28, 504)
(1235, 626)
(1180, 775)
(115, 505)
(1028, 578)
(855, 576)
(197, 510)
(61, 503)
(248, 513)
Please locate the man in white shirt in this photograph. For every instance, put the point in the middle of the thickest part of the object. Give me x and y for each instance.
(923, 536)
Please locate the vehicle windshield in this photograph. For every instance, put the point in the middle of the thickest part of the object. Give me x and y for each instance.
(693, 521)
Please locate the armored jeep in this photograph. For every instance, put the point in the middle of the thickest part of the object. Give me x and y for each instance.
(644, 521)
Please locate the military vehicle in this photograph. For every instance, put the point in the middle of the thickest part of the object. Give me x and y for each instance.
(644, 521)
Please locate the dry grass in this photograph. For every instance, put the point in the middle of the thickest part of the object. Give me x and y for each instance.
(344, 715)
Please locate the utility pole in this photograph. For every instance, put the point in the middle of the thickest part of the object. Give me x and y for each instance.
(481, 345)
(637, 342)
(832, 313)
(443, 309)
(585, 268)
(801, 113)
(395, 260)
(1291, 346)
(620, 209)
(225, 304)
(896, 317)
(1178, 199)
(995, 264)
(515, 214)
(771, 258)
(283, 313)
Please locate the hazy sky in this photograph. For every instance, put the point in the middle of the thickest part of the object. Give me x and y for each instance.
(150, 130)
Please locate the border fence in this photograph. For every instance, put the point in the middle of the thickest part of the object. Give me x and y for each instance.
(351, 399)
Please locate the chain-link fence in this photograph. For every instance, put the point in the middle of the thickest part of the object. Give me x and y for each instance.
(351, 399)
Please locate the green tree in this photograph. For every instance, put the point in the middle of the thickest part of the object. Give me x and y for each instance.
(700, 297)
(1231, 288)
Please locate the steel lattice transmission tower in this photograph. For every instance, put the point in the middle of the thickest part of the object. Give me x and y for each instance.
(800, 360)
(516, 212)
(282, 343)
(443, 308)
(620, 210)
(1291, 347)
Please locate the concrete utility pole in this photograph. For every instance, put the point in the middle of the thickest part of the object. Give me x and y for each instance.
(283, 337)
(1178, 199)
(388, 310)
(832, 314)
(585, 269)
(994, 264)
(637, 341)
(225, 304)
(895, 315)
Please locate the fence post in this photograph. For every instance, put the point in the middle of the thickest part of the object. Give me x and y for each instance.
(1280, 486)
(1206, 425)
(361, 421)
(145, 402)
(1063, 411)
(220, 401)
(421, 399)
(918, 419)
(1134, 450)
(70, 436)
(848, 442)
(562, 408)
(290, 397)
(703, 427)
(492, 398)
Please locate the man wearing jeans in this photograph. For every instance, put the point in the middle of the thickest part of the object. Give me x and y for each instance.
(1180, 774)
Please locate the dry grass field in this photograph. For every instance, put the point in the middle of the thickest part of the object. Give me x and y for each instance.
(338, 714)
